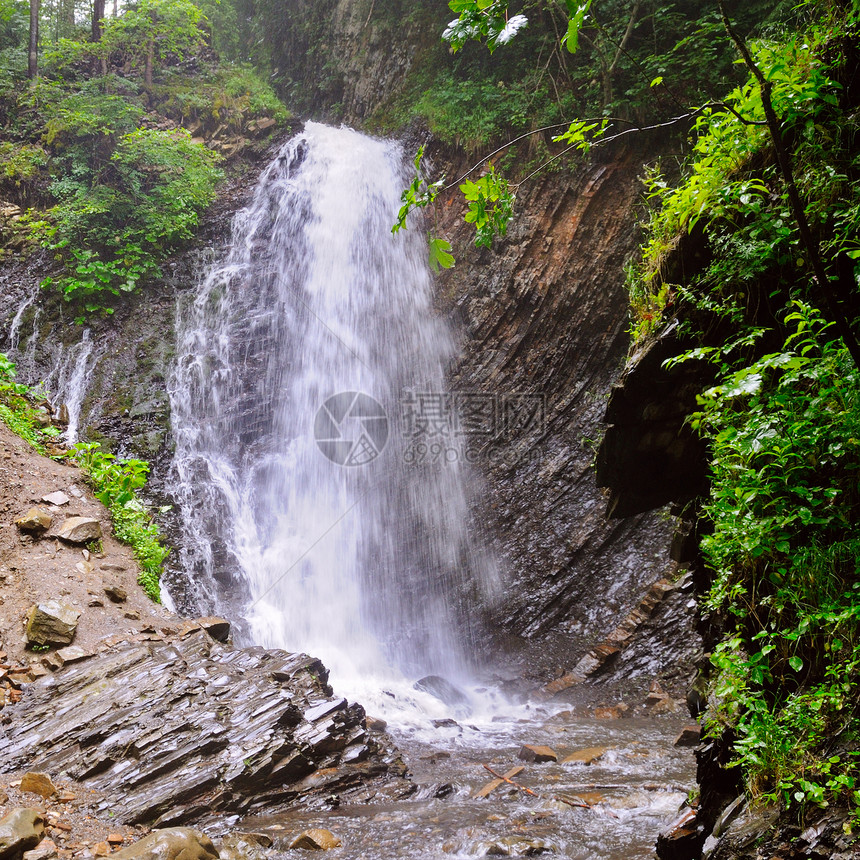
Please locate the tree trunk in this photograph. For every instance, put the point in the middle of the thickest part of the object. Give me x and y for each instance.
(98, 15)
(150, 56)
(33, 56)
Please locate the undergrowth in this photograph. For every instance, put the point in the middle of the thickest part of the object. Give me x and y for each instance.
(782, 521)
(115, 482)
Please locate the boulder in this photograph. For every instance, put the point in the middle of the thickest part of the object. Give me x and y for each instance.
(20, 830)
(172, 843)
(533, 753)
(166, 732)
(38, 783)
(690, 736)
(217, 628)
(316, 839)
(80, 530)
(34, 521)
(446, 692)
(375, 724)
(51, 623)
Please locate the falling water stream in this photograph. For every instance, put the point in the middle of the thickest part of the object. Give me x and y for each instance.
(310, 361)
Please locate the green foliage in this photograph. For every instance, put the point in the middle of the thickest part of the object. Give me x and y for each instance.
(125, 199)
(116, 482)
(222, 95)
(785, 549)
(19, 408)
(490, 204)
(782, 422)
(482, 19)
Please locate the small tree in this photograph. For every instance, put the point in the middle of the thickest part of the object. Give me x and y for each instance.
(33, 54)
(152, 31)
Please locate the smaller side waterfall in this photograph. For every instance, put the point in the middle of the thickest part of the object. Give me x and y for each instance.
(297, 359)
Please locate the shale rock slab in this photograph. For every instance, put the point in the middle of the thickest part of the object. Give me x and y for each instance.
(171, 732)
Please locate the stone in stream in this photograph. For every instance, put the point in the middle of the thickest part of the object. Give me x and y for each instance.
(316, 839)
(190, 728)
(173, 843)
(690, 736)
(20, 830)
(34, 522)
(587, 756)
(38, 783)
(446, 692)
(80, 530)
(534, 753)
(51, 623)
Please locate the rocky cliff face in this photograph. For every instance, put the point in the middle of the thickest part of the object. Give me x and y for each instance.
(543, 319)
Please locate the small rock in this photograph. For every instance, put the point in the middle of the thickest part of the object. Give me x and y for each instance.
(80, 530)
(45, 850)
(587, 756)
(665, 705)
(612, 712)
(84, 567)
(445, 724)
(116, 593)
(101, 849)
(65, 797)
(131, 614)
(51, 623)
(38, 783)
(690, 736)
(316, 839)
(57, 498)
(20, 830)
(375, 724)
(217, 628)
(116, 838)
(72, 654)
(533, 753)
(4, 798)
(34, 521)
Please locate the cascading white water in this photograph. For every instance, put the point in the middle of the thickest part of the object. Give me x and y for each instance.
(370, 566)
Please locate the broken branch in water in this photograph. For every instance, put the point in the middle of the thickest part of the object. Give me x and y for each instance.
(578, 804)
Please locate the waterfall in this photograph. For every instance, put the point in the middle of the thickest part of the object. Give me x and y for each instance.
(309, 361)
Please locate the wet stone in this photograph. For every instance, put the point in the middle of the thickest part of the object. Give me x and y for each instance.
(316, 839)
(586, 756)
(535, 753)
(174, 843)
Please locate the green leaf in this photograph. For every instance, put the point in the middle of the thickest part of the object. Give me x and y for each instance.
(796, 663)
(439, 257)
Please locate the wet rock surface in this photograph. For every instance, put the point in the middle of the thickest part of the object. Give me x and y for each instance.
(172, 731)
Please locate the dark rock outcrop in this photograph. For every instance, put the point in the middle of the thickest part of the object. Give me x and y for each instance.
(173, 731)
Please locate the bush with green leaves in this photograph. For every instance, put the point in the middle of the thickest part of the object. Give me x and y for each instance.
(116, 483)
(784, 433)
(125, 199)
(19, 408)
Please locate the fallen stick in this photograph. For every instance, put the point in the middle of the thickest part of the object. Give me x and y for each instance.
(580, 805)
